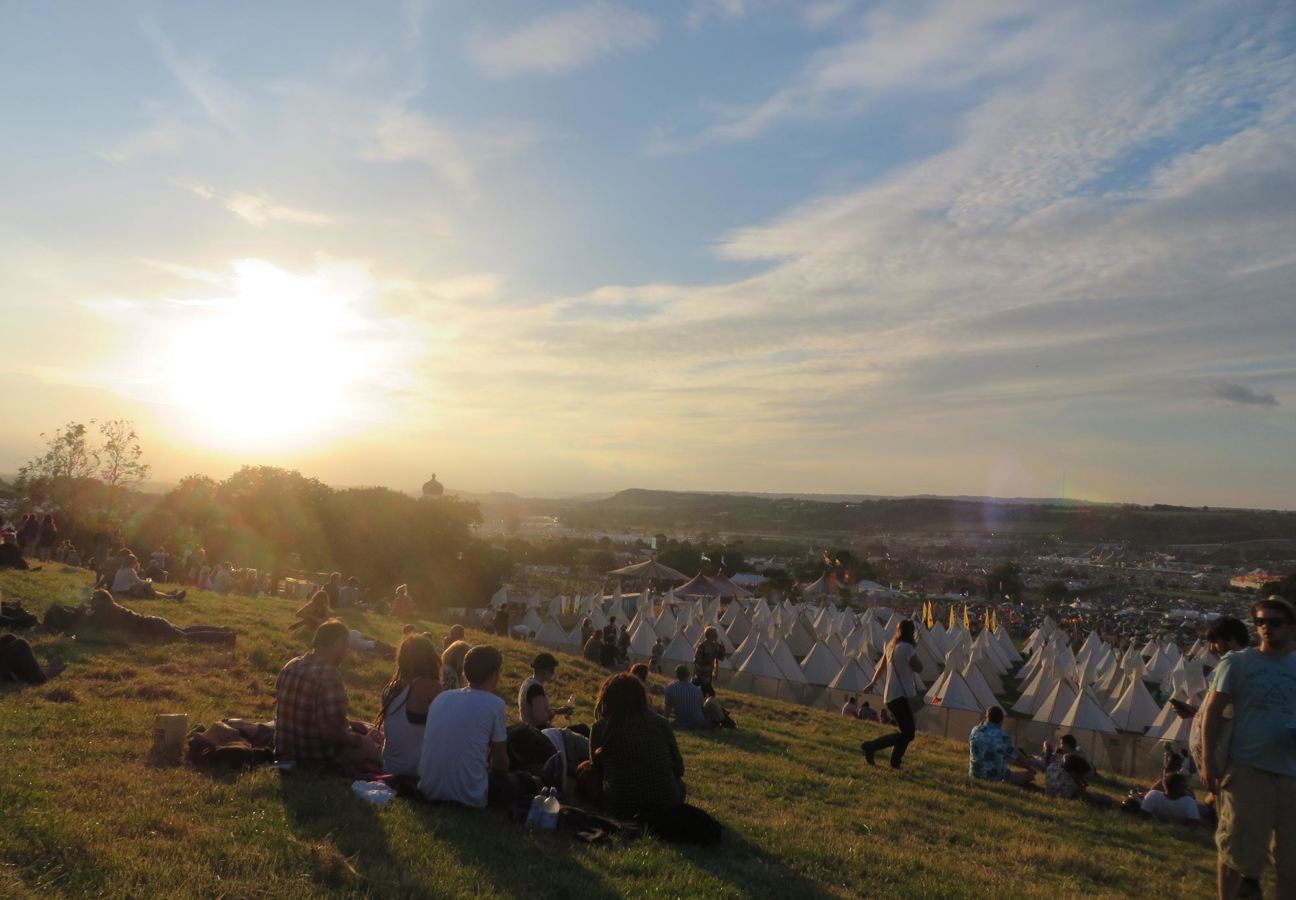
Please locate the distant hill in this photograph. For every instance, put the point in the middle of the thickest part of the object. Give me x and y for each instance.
(853, 516)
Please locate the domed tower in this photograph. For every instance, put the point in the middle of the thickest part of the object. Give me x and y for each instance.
(433, 488)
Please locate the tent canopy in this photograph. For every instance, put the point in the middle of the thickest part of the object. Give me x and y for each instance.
(652, 570)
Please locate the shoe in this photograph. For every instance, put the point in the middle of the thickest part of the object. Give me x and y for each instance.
(868, 754)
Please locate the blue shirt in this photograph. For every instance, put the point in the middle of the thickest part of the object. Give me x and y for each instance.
(1263, 689)
(685, 701)
(990, 750)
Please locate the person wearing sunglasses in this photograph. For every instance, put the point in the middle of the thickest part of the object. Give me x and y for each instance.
(1257, 787)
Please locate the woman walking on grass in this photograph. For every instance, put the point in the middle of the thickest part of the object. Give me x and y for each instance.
(898, 664)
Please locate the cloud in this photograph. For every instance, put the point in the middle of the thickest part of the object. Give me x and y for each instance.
(162, 138)
(454, 153)
(1240, 393)
(210, 93)
(258, 209)
(563, 41)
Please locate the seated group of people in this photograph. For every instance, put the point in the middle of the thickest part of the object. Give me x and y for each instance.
(120, 574)
(851, 709)
(442, 727)
(993, 755)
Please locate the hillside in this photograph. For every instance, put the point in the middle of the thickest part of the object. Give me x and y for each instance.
(85, 816)
(959, 517)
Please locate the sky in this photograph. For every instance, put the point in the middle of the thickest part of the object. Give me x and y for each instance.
(957, 247)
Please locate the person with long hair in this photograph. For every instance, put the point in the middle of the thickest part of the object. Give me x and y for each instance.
(633, 750)
(452, 662)
(405, 700)
(898, 665)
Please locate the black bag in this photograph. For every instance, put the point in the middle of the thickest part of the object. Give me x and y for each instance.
(683, 824)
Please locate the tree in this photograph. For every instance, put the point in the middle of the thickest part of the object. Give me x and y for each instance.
(60, 473)
(119, 457)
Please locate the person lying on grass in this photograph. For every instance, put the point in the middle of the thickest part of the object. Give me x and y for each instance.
(128, 583)
(465, 751)
(991, 751)
(109, 620)
(405, 701)
(311, 706)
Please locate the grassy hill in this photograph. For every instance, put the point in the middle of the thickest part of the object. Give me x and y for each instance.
(83, 815)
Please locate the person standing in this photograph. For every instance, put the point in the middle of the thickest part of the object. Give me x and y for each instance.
(1257, 786)
(898, 665)
(707, 657)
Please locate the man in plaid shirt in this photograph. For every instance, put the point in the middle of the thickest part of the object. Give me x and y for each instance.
(311, 724)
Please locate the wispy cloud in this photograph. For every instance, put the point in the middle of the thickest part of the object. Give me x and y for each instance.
(258, 209)
(162, 138)
(1240, 393)
(563, 41)
(453, 152)
(214, 96)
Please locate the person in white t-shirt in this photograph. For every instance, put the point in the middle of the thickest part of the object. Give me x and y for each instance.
(1175, 804)
(898, 665)
(464, 749)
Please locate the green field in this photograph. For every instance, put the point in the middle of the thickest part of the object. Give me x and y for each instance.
(84, 815)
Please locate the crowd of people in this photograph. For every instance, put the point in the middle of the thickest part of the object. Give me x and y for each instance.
(442, 732)
(441, 729)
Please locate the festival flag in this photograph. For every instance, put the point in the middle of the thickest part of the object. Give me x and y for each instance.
(967, 619)
(951, 624)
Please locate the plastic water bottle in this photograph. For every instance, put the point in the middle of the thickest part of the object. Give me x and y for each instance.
(551, 809)
(535, 818)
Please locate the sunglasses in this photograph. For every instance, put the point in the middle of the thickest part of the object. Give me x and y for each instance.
(1262, 621)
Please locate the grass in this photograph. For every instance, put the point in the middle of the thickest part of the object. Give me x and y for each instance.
(84, 815)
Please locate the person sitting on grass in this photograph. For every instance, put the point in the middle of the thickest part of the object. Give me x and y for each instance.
(128, 583)
(456, 634)
(402, 605)
(1173, 804)
(311, 706)
(18, 662)
(684, 701)
(10, 553)
(405, 700)
(312, 614)
(1067, 777)
(867, 713)
(533, 702)
(850, 709)
(452, 665)
(465, 750)
(715, 713)
(991, 751)
(633, 751)
(110, 620)
(640, 671)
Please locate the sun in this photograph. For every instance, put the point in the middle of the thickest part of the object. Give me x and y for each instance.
(274, 364)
